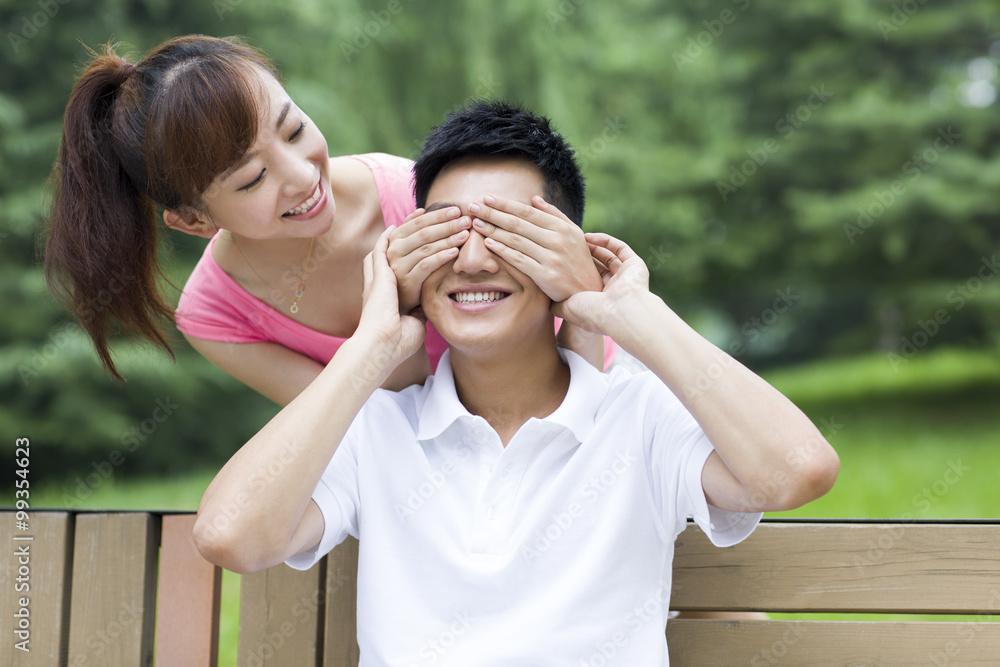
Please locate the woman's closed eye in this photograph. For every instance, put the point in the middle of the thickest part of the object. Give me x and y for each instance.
(254, 183)
(260, 177)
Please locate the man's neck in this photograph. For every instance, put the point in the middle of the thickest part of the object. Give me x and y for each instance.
(508, 388)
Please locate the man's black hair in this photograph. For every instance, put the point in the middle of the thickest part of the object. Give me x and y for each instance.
(488, 128)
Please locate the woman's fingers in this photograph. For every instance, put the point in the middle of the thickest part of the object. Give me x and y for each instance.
(428, 265)
(520, 260)
(406, 263)
(542, 205)
(512, 214)
(426, 235)
(516, 224)
(619, 248)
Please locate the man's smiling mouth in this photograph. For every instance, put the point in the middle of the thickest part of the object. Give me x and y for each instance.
(478, 297)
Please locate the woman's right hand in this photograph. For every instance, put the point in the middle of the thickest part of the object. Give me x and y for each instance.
(422, 244)
(383, 323)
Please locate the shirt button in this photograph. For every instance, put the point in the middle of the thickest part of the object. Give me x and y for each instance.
(491, 513)
(506, 471)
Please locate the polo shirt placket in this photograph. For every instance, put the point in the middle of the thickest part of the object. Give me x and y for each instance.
(502, 472)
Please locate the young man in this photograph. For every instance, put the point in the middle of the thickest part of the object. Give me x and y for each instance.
(520, 501)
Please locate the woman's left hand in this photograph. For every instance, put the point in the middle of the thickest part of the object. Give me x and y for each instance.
(540, 242)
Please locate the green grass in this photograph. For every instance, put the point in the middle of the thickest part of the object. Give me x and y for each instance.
(931, 372)
(917, 442)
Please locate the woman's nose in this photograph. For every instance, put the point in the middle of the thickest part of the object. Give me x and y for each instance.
(299, 174)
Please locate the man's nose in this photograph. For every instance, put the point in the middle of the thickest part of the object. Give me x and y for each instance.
(475, 257)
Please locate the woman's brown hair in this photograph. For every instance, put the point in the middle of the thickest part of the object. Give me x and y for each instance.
(155, 133)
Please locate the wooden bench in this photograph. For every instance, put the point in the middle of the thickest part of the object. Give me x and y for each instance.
(128, 588)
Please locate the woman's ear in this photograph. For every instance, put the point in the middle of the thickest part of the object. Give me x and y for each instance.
(189, 222)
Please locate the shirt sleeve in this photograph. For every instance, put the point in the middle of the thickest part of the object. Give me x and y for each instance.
(211, 308)
(676, 452)
(394, 182)
(203, 315)
(338, 498)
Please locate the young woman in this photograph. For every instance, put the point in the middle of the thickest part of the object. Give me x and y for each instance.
(202, 129)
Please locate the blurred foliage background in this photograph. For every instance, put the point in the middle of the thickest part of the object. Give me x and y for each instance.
(809, 182)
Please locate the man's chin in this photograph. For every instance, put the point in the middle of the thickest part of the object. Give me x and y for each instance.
(489, 342)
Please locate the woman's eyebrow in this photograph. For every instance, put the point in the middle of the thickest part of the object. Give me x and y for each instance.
(242, 162)
(252, 154)
(283, 114)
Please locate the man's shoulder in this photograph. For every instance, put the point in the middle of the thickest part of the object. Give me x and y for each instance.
(621, 381)
(394, 409)
(636, 394)
(405, 398)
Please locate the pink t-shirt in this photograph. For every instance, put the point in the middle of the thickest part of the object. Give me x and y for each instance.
(213, 306)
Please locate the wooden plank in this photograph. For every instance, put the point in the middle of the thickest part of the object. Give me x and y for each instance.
(824, 643)
(187, 605)
(113, 590)
(819, 567)
(341, 638)
(281, 617)
(44, 550)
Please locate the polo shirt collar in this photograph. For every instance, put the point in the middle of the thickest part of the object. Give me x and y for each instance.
(587, 389)
(441, 406)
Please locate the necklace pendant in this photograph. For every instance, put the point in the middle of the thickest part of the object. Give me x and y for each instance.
(276, 295)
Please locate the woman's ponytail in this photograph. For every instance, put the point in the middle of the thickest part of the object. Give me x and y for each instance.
(101, 252)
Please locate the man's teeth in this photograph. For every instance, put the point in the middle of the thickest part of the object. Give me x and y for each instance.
(307, 204)
(476, 297)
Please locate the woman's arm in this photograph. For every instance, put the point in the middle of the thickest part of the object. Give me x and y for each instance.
(271, 369)
(768, 454)
(588, 345)
(246, 527)
(281, 374)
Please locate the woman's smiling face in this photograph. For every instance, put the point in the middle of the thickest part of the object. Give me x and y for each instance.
(281, 188)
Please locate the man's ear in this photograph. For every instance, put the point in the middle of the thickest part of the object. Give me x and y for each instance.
(189, 222)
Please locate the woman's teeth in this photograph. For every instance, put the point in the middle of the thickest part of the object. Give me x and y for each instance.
(475, 297)
(307, 204)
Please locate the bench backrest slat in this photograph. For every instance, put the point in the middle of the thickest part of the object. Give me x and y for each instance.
(341, 639)
(281, 618)
(113, 589)
(829, 567)
(187, 603)
(822, 643)
(44, 584)
(94, 579)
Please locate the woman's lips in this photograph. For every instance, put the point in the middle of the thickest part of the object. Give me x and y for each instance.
(313, 204)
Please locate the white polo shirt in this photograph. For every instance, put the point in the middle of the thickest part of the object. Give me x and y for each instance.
(555, 550)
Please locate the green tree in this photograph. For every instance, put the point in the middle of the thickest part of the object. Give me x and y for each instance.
(804, 179)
